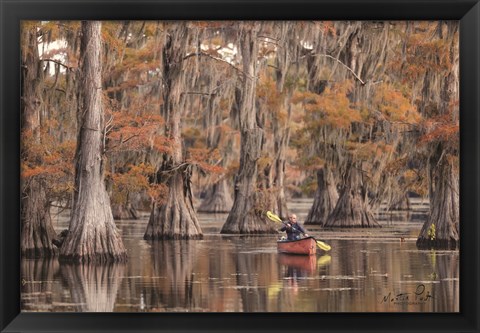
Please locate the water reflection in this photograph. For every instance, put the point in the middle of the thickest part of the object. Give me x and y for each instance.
(297, 263)
(172, 281)
(229, 273)
(92, 287)
(445, 271)
(251, 284)
(37, 280)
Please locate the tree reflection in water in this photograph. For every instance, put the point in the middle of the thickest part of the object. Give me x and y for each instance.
(246, 274)
(37, 277)
(446, 271)
(254, 295)
(172, 280)
(93, 287)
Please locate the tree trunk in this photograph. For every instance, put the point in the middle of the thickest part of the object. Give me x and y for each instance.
(92, 235)
(122, 209)
(37, 229)
(247, 216)
(124, 212)
(352, 210)
(282, 138)
(175, 218)
(400, 203)
(442, 229)
(280, 205)
(286, 34)
(326, 198)
(266, 193)
(218, 199)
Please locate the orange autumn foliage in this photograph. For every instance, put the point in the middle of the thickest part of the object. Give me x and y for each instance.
(444, 128)
(206, 160)
(268, 94)
(421, 53)
(137, 180)
(136, 132)
(331, 108)
(44, 157)
(394, 105)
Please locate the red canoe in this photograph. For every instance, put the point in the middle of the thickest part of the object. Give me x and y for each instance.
(306, 246)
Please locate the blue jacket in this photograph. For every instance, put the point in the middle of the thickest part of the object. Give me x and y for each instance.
(294, 232)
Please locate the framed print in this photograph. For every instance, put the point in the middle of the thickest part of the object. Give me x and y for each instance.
(239, 166)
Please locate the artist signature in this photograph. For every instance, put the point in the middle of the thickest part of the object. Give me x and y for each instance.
(419, 296)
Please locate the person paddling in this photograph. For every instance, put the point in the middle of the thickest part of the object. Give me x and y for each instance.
(293, 228)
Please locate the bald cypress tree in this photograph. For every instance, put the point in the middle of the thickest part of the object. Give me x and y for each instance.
(439, 101)
(37, 229)
(246, 215)
(92, 235)
(175, 217)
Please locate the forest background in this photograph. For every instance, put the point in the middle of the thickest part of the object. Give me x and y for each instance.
(238, 117)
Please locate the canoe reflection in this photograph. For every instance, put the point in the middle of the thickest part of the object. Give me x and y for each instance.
(298, 262)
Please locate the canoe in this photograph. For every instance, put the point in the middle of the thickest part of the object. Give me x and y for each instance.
(305, 246)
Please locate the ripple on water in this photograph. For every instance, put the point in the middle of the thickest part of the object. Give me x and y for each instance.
(336, 289)
(418, 281)
(334, 277)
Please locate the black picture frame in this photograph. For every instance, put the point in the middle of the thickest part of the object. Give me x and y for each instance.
(12, 12)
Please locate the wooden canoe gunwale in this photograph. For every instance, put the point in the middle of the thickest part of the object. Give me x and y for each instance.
(304, 246)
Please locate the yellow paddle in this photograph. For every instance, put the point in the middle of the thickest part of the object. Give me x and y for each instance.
(320, 244)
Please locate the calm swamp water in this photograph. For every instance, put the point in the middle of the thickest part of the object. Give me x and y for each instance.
(374, 270)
